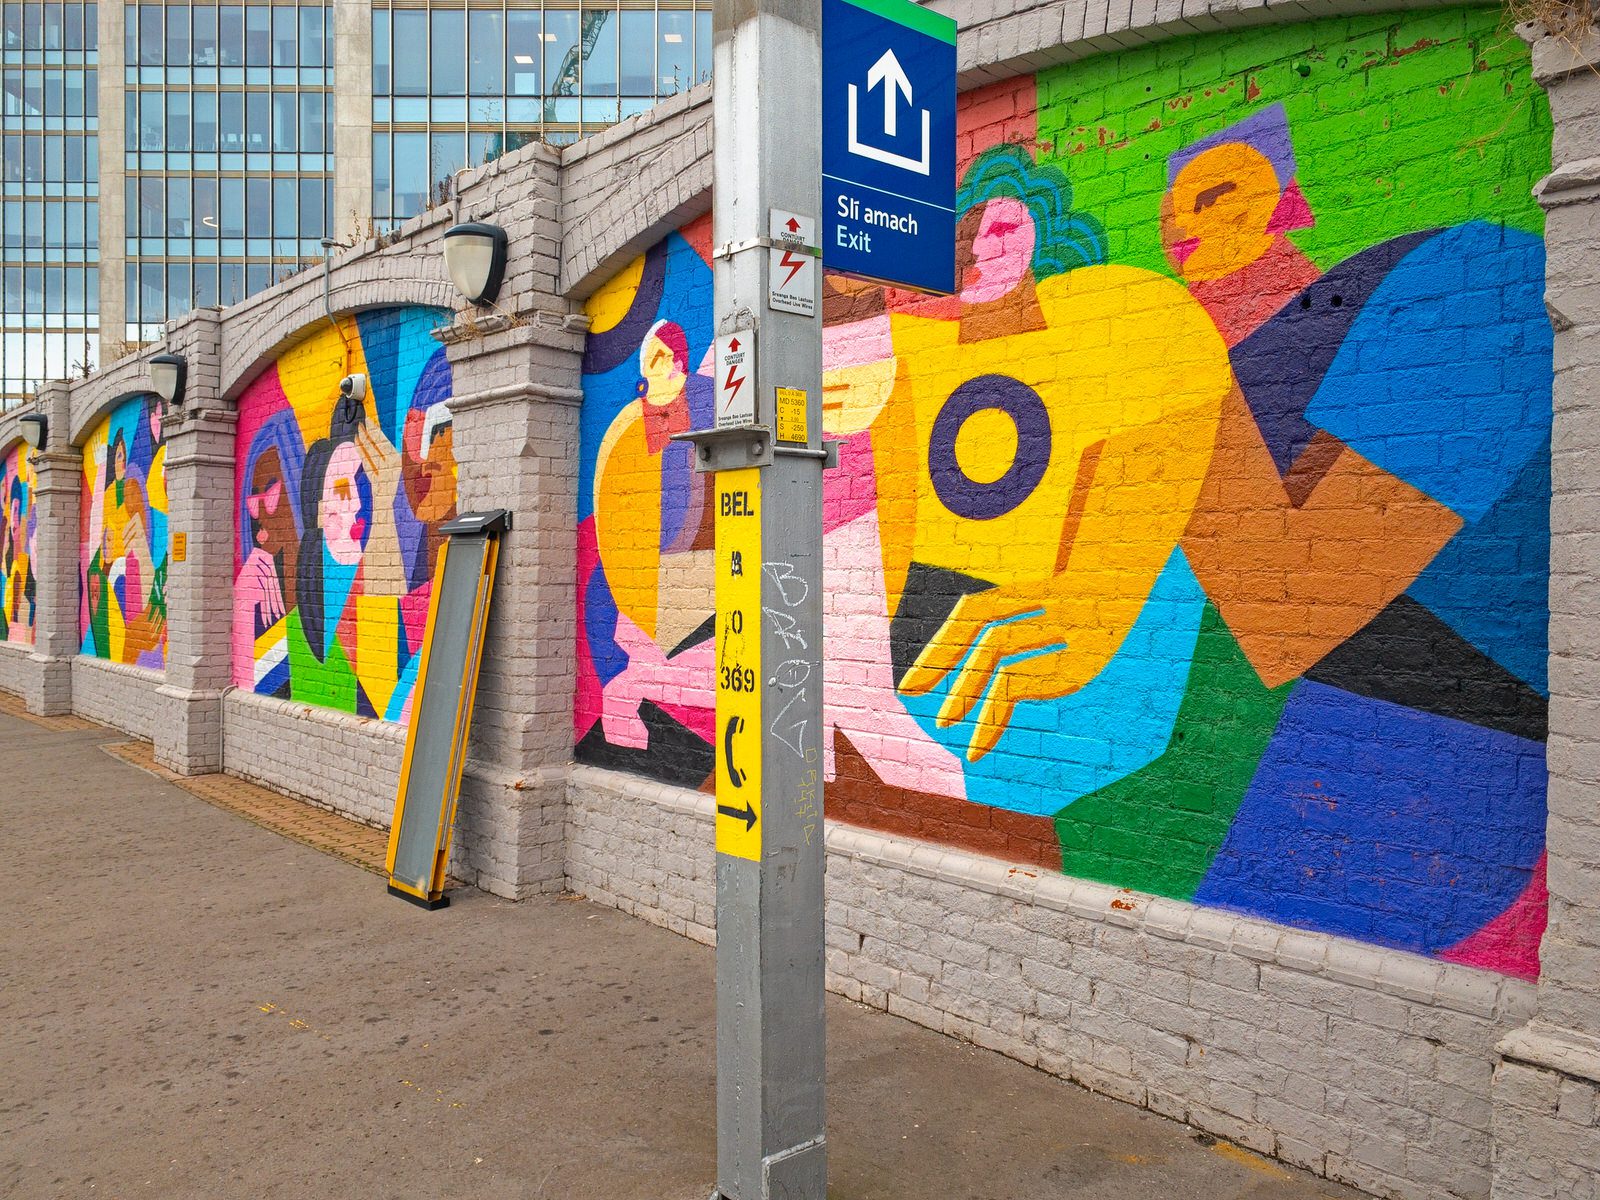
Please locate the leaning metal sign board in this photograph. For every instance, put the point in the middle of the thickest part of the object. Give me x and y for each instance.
(889, 143)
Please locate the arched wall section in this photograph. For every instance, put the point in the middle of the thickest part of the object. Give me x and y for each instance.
(337, 507)
(124, 544)
(19, 537)
(1200, 545)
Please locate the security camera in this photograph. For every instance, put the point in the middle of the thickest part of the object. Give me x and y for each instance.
(353, 387)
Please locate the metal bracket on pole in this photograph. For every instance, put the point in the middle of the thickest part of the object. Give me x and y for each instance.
(729, 449)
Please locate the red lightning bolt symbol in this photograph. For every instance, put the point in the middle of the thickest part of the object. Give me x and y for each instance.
(794, 262)
(732, 386)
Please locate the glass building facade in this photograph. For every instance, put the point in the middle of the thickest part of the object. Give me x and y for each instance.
(458, 86)
(228, 152)
(49, 171)
(225, 178)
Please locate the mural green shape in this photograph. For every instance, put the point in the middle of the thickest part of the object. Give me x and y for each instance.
(1158, 829)
(1349, 87)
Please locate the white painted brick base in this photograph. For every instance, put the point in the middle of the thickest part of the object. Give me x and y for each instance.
(118, 695)
(1369, 1066)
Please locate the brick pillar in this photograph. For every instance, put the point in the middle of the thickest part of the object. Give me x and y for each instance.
(58, 468)
(515, 417)
(200, 437)
(1547, 1083)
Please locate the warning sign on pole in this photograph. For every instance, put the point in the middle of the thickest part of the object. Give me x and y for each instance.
(736, 379)
(792, 273)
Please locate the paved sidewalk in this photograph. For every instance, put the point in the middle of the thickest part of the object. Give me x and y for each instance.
(194, 1006)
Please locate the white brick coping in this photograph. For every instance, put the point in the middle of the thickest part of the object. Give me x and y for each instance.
(1563, 1050)
(145, 675)
(20, 649)
(1396, 973)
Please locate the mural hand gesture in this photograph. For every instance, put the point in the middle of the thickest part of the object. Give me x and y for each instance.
(384, 570)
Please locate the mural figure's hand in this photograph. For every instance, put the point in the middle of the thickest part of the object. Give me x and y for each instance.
(1024, 642)
(259, 579)
(384, 573)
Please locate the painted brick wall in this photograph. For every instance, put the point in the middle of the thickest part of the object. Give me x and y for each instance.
(18, 546)
(1199, 546)
(338, 508)
(122, 603)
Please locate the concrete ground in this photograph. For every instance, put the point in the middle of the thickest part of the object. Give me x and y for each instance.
(192, 1006)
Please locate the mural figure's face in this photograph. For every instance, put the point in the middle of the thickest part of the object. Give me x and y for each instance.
(431, 483)
(344, 530)
(119, 462)
(1002, 236)
(1219, 208)
(268, 505)
(662, 375)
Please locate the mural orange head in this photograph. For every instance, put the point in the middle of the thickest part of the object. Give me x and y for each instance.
(1230, 196)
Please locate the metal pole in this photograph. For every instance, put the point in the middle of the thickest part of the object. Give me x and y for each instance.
(767, 156)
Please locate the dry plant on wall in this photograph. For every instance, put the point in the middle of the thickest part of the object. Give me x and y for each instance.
(1565, 19)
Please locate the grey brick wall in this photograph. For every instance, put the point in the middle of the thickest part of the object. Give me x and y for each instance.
(1368, 1066)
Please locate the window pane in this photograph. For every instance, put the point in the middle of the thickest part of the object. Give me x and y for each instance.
(382, 191)
(410, 173)
(180, 294)
(447, 154)
(205, 285)
(152, 121)
(54, 27)
(258, 207)
(257, 36)
(178, 121)
(311, 37)
(150, 35)
(676, 63)
(179, 210)
(230, 283)
(230, 120)
(91, 34)
(152, 207)
(205, 209)
(12, 38)
(410, 53)
(230, 36)
(380, 52)
(561, 52)
(231, 208)
(205, 122)
(285, 122)
(205, 36)
(178, 34)
(285, 218)
(283, 37)
(523, 48)
(258, 120)
(257, 277)
(600, 57)
(311, 207)
(702, 47)
(638, 53)
(311, 122)
(449, 53)
(486, 73)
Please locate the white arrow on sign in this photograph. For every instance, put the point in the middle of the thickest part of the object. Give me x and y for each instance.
(888, 72)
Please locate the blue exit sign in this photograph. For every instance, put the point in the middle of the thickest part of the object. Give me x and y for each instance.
(889, 143)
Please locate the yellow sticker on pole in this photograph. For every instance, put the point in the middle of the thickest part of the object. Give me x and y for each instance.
(791, 412)
(739, 663)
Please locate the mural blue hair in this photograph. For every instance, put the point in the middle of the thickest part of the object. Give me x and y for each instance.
(1066, 239)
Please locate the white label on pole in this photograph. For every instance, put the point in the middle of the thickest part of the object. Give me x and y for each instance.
(792, 263)
(736, 379)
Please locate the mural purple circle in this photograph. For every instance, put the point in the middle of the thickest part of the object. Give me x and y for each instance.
(969, 497)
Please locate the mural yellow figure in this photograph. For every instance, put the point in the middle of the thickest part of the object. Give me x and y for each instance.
(1060, 464)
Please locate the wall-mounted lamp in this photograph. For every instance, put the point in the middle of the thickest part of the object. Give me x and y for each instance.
(475, 256)
(166, 378)
(35, 431)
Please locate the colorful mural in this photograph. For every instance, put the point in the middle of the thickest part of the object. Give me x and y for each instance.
(339, 507)
(1199, 545)
(18, 539)
(122, 600)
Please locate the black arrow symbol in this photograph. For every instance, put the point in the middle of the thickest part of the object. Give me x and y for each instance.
(747, 814)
